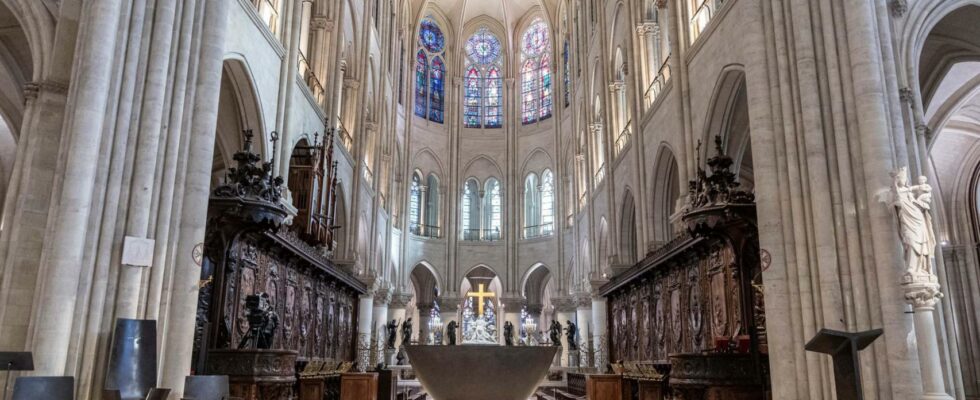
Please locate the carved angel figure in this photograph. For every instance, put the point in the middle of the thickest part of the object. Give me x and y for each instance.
(913, 204)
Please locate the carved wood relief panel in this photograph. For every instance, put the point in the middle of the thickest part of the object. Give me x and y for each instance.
(316, 314)
(681, 306)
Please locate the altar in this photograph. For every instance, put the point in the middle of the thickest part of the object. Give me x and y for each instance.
(481, 372)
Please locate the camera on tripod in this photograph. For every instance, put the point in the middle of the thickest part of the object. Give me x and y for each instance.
(262, 322)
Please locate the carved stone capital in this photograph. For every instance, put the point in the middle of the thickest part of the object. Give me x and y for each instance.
(648, 28)
(449, 303)
(923, 294)
(512, 303)
(583, 301)
(617, 86)
(923, 130)
(320, 22)
(382, 297)
(898, 7)
(33, 89)
(351, 83)
(400, 300)
(905, 94)
(564, 304)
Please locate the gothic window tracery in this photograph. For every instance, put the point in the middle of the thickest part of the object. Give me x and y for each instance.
(482, 85)
(536, 85)
(430, 76)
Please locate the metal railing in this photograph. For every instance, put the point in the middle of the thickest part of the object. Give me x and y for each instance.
(368, 176)
(344, 136)
(702, 17)
(531, 232)
(657, 86)
(625, 137)
(600, 175)
(481, 235)
(427, 231)
(306, 71)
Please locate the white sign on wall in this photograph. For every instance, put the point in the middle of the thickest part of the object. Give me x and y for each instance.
(138, 252)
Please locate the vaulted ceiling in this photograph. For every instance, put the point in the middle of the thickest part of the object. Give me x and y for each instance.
(508, 12)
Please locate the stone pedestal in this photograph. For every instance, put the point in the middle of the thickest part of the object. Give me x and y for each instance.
(256, 374)
(923, 294)
(480, 372)
(573, 359)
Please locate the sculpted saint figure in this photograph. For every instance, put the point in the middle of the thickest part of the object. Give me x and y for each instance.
(508, 333)
(913, 204)
(451, 333)
(392, 330)
(555, 333)
(570, 332)
(407, 331)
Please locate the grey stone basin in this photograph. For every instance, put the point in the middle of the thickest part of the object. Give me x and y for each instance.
(480, 372)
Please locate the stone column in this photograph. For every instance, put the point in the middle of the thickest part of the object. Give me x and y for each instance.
(145, 165)
(534, 313)
(583, 313)
(181, 314)
(600, 334)
(56, 304)
(449, 310)
(425, 315)
(378, 321)
(923, 294)
(564, 312)
(365, 316)
(512, 313)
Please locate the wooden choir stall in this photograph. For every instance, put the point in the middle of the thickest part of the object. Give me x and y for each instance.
(688, 321)
(275, 314)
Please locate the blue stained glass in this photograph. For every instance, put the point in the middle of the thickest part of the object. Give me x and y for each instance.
(536, 85)
(566, 70)
(528, 92)
(535, 40)
(431, 37)
(545, 73)
(483, 47)
(471, 109)
(494, 98)
(436, 100)
(421, 83)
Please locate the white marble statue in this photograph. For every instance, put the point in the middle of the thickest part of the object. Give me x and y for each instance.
(479, 334)
(913, 204)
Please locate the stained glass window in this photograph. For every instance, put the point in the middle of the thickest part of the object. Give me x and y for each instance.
(529, 88)
(544, 72)
(483, 86)
(431, 37)
(430, 72)
(415, 202)
(536, 84)
(421, 83)
(471, 110)
(566, 71)
(437, 81)
(547, 202)
(494, 99)
(483, 47)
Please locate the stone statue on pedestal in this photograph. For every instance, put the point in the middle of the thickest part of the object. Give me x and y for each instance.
(913, 204)
(407, 331)
(451, 333)
(508, 333)
(555, 333)
(571, 331)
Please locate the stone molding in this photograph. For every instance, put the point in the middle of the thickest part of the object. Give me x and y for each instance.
(564, 304)
(33, 89)
(399, 300)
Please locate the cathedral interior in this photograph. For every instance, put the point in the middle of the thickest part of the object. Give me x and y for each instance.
(682, 199)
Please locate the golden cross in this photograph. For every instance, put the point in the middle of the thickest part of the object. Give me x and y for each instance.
(480, 295)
